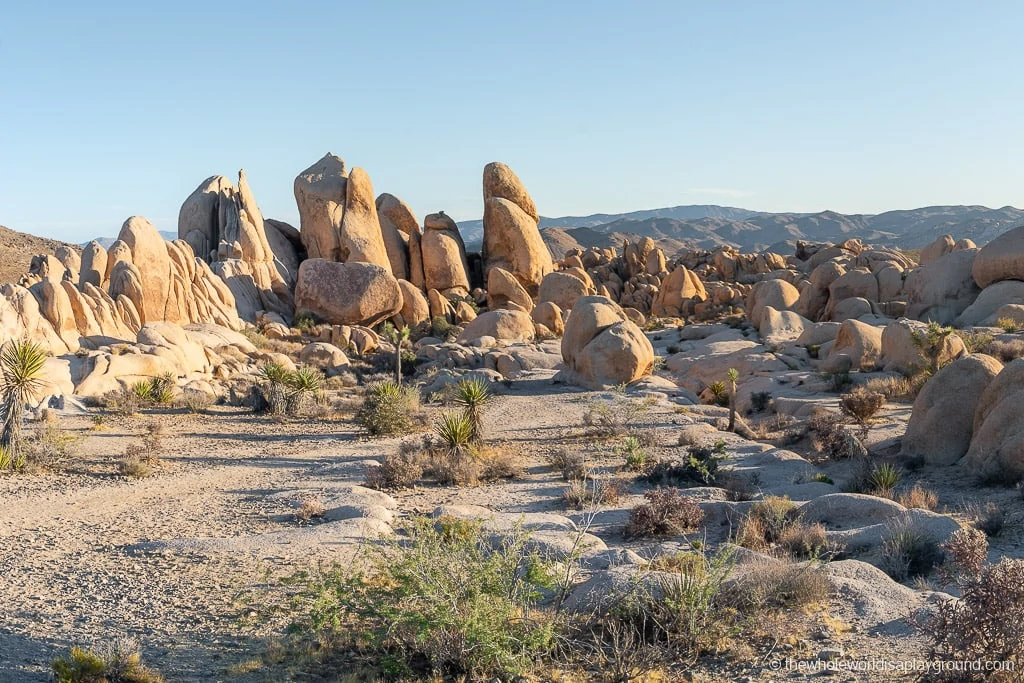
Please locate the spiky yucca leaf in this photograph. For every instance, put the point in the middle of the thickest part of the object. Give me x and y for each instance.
(21, 369)
(455, 430)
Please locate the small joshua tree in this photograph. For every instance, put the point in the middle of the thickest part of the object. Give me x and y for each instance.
(733, 375)
(398, 337)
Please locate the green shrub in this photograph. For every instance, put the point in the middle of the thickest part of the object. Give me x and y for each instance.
(473, 395)
(442, 599)
(389, 408)
(636, 456)
(884, 479)
(700, 468)
(908, 552)
(116, 662)
(441, 328)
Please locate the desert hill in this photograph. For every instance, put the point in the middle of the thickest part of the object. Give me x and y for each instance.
(17, 250)
(908, 229)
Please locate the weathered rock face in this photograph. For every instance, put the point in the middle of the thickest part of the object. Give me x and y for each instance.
(678, 292)
(398, 224)
(415, 309)
(224, 226)
(937, 249)
(815, 296)
(901, 354)
(504, 291)
(861, 342)
(997, 443)
(320, 193)
(94, 265)
(564, 289)
(943, 417)
(1000, 259)
(352, 293)
(985, 309)
(601, 347)
(444, 255)
(512, 239)
(943, 289)
(778, 294)
(503, 325)
(360, 237)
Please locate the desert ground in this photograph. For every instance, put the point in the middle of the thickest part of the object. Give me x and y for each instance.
(192, 561)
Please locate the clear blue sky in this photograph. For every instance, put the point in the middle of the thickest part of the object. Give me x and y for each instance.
(109, 109)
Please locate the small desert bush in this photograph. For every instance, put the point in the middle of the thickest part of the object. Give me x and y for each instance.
(389, 408)
(309, 509)
(837, 381)
(966, 551)
(676, 618)
(591, 492)
(1008, 325)
(397, 470)
(155, 391)
(441, 328)
(896, 388)
(256, 338)
(988, 518)
(49, 446)
(196, 402)
(634, 453)
(571, 464)
(804, 540)
(1007, 351)
(439, 602)
(984, 624)
(116, 662)
(700, 467)
(608, 418)
(829, 435)
(976, 341)
(861, 405)
(139, 459)
(738, 487)
(908, 552)
(666, 512)
(918, 497)
(759, 401)
(124, 402)
(779, 584)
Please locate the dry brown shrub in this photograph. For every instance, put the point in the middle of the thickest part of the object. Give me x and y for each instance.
(984, 624)
(309, 509)
(918, 497)
(667, 512)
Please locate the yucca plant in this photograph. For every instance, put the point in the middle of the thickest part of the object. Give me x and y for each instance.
(718, 392)
(473, 394)
(456, 432)
(276, 377)
(306, 381)
(388, 408)
(21, 369)
(884, 478)
(162, 389)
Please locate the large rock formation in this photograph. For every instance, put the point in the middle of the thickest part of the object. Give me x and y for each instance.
(601, 347)
(352, 293)
(1001, 259)
(320, 193)
(997, 439)
(360, 237)
(401, 232)
(444, 256)
(943, 417)
(224, 226)
(512, 239)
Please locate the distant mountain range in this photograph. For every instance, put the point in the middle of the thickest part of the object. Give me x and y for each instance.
(708, 226)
